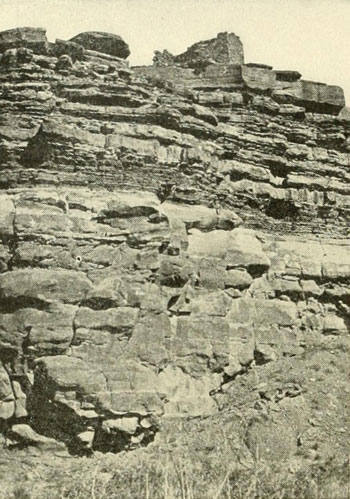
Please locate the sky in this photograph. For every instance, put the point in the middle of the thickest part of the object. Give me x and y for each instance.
(310, 36)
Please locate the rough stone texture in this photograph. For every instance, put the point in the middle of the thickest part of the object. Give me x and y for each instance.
(64, 47)
(107, 43)
(163, 230)
(225, 48)
(31, 38)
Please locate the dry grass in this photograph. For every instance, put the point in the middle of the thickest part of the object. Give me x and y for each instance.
(166, 477)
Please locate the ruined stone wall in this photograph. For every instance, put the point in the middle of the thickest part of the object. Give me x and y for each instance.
(226, 48)
(162, 231)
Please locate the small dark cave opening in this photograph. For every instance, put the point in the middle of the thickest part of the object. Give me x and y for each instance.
(260, 359)
(37, 152)
(282, 209)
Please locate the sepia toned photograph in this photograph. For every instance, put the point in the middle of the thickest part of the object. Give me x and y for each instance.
(174, 249)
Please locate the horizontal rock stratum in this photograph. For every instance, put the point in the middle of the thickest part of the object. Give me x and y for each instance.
(163, 230)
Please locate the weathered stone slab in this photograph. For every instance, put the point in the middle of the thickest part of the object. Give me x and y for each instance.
(238, 248)
(7, 212)
(263, 312)
(32, 38)
(287, 75)
(44, 285)
(112, 319)
(258, 79)
(6, 392)
(25, 435)
(70, 373)
(125, 425)
(314, 96)
(150, 340)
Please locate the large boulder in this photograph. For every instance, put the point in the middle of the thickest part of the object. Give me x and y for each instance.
(107, 43)
(32, 38)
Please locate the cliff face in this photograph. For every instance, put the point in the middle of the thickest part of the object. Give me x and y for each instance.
(166, 232)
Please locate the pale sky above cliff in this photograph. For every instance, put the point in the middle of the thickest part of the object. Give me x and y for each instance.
(311, 36)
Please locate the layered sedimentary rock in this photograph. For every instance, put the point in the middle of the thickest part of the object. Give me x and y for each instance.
(164, 229)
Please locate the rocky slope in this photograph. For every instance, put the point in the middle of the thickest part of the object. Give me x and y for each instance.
(174, 240)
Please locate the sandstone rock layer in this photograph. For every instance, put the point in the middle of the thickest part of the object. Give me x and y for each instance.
(164, 229)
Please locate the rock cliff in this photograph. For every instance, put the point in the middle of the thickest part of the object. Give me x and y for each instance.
(167, 232)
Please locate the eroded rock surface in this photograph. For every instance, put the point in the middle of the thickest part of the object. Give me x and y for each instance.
(164, 230)
(106, 43)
